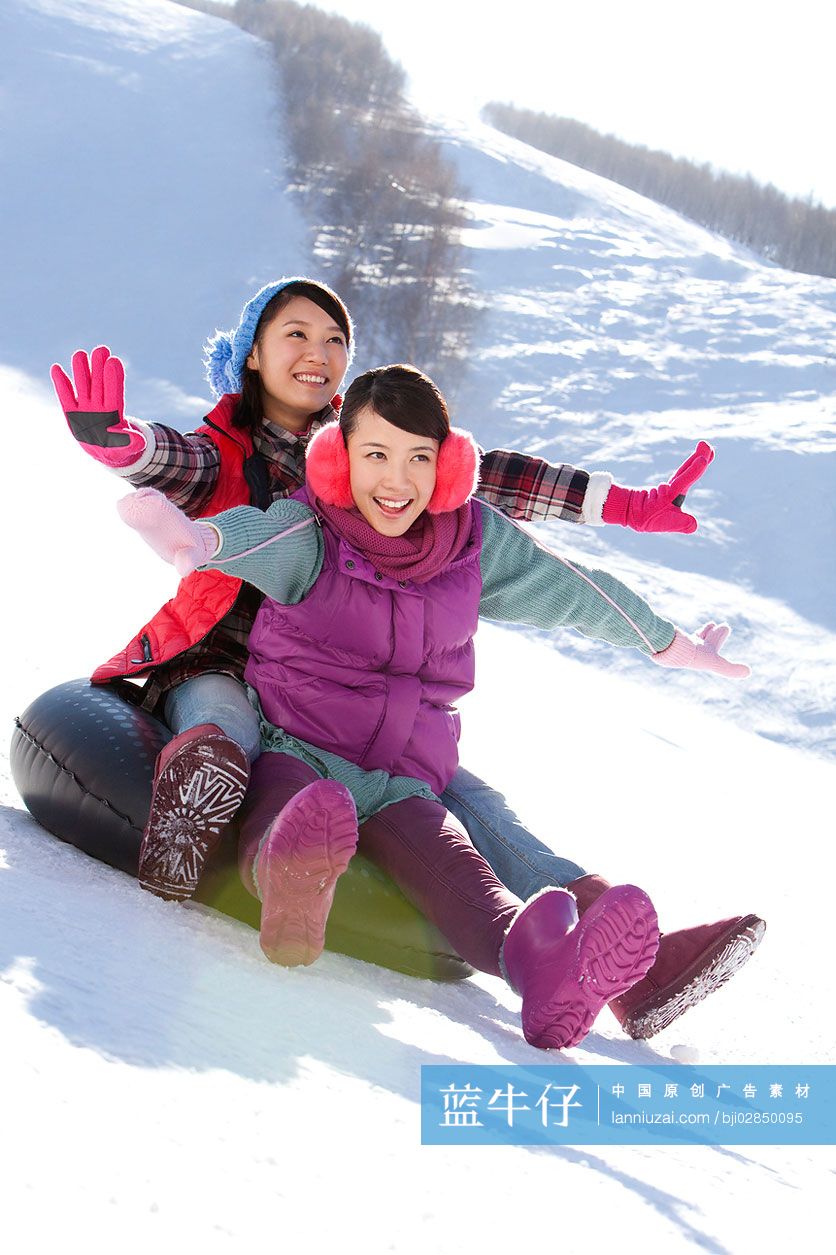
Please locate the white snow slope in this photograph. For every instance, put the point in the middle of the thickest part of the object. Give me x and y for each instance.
(164, 1085)
(616, 334)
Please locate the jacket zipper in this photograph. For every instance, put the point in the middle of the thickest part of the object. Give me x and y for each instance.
(146, 652)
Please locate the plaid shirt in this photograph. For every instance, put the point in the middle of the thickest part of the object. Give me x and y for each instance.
(530, 489)
(185, 469)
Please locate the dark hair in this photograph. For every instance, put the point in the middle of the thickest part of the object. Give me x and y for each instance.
(248, 412)
(403, 395)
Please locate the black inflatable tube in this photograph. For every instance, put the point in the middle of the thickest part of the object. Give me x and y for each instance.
(82, 759)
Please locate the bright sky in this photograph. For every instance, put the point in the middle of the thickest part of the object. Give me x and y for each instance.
(744, 84)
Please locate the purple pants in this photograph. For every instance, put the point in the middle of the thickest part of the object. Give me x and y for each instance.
(418, 843)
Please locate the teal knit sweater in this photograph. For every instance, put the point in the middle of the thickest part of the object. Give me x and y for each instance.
(280, 551)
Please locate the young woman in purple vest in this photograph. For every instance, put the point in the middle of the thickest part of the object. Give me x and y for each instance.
(276, 375)
(374, 576)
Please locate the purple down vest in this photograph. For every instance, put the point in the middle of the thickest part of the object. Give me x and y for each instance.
(368, 667)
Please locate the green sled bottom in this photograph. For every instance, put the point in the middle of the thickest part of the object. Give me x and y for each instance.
(83, 758)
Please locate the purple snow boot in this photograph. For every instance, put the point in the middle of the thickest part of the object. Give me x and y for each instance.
(566, 971)
(200, 780)
(690, 964)
(306, 850)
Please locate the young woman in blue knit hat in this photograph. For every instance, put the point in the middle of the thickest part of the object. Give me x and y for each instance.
(277, 376)
(374, 576)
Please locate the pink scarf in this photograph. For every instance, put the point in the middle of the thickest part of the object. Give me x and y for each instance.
(433, 541)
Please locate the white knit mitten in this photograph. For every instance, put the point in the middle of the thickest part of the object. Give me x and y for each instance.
(183, 542)
(702, 653)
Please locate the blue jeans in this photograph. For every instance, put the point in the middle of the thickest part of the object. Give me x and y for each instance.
(219, 699)
(520, 861)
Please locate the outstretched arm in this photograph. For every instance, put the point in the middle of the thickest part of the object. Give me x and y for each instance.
(149, 455)
(278, 551)
(531, 489)
(523, 582)
(659, 509)
(94, 407)
(701, 652)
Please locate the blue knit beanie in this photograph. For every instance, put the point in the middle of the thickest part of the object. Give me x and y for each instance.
(226, 352)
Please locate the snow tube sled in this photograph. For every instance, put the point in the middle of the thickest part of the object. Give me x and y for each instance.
(83, 758)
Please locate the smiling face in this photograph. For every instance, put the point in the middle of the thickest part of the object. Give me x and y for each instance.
(301, 357)
(392, 473)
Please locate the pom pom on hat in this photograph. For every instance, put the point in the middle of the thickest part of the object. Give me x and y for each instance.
(218, 361)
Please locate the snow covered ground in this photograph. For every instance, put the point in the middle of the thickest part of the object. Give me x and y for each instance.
(164, 1084)
(616, 334)
(142, 187)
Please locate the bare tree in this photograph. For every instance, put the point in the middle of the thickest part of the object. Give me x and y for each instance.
(384, 203)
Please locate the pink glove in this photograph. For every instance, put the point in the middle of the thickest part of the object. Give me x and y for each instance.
(657, 509)
(702, 654)
(170, 533)
(94, 408)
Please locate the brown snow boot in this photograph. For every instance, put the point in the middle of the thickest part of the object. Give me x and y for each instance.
(200, 780)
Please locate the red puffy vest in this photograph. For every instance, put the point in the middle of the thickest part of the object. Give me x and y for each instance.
(204, 597)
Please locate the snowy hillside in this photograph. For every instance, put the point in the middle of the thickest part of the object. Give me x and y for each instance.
(616, 335)
(167, 1087)
(142, 193)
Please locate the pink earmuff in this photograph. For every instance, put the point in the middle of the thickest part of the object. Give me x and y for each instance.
(457, 472)
(326, 467)
(329, 478)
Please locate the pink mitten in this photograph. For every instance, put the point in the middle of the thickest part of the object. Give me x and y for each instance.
(657, 509)
(170, 533)
(702, 654)
(94, 408)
